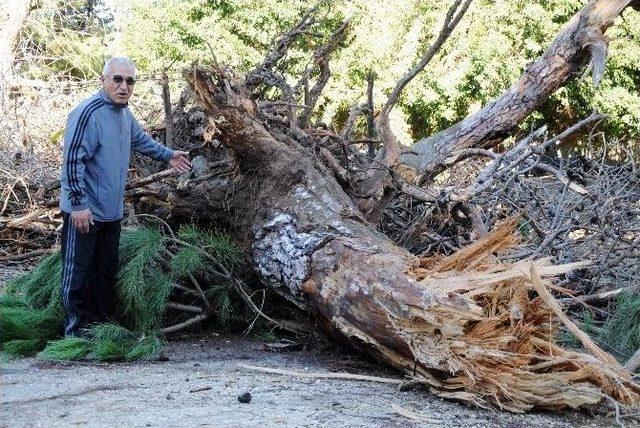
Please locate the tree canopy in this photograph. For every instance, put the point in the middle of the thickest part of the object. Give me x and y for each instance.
(484, 56)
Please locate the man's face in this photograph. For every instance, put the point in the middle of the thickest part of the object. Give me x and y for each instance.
(118, 83)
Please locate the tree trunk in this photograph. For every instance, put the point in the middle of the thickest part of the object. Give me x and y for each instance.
(464, 326)
(581, 39)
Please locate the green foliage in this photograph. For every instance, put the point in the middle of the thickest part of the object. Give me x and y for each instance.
(191, 260)
(40, 287)
(218, 244)
(30, 309)
(187, 261)
(143, 288)
(69, 348)
(231, 311)
(621, 331)
(224, 306)
(110, 342)
(110, 350)
(20, 347)
(105, 342)
(146, 348)
(111, 332)
(190, 234)
(28, 323)
(222, 247)
(31, 316)
(31, 313)
(485, 55)
(264, 332)
(134, 241)
(64, 38)
(11, 301)
(619, 334)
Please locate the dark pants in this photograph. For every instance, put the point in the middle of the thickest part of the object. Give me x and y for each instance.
(89, 267)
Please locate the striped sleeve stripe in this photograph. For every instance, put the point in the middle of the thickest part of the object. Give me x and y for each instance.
(68, 275)
(76, 142)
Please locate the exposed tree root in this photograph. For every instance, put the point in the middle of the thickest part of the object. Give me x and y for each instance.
(470, 326)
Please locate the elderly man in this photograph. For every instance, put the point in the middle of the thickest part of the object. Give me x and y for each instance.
(100, 134)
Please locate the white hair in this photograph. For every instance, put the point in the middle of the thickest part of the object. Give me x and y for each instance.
(118, 60)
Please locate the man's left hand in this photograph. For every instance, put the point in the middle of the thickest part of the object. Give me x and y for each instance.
(179, 162)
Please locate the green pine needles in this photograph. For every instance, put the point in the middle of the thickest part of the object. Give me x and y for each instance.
(218, 244)
(143, 288)
(621, 331)
(30, 309)
(105, 342)
(154, 269)
(69, 348)
(187, 261)
(618, 334)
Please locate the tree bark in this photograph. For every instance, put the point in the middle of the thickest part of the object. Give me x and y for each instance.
(428, 318)
(168, 116)
(582, 38)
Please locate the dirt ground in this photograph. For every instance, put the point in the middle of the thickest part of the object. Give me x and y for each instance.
(199, 382)
(199, 385)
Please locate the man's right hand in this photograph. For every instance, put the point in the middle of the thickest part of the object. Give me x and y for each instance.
(82, 219)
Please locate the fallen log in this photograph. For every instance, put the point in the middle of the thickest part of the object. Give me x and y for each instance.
(469, 326)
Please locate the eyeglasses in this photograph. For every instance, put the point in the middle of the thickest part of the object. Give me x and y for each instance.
(117, 79)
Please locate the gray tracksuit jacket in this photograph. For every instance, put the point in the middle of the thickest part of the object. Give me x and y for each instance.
(97, 145)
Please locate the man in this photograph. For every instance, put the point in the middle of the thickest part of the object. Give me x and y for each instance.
(100, 134)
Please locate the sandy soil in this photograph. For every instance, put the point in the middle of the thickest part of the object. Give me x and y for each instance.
(200, 383)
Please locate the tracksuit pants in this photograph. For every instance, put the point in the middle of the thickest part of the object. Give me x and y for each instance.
(90, 264)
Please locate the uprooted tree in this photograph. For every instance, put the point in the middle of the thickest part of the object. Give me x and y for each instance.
(306, 201)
